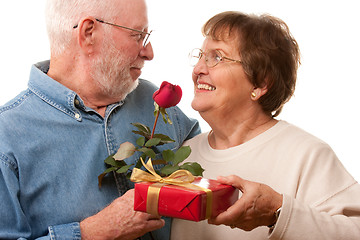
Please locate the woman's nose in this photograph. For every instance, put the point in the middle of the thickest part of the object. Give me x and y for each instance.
(200, 67)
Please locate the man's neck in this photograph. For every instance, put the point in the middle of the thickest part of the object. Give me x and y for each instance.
(76, 77)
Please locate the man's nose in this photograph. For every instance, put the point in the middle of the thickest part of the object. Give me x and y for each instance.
(147, 52)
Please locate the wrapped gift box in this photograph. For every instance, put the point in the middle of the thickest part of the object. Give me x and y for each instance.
(185, 203)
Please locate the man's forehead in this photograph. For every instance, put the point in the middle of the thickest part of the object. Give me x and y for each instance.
(133, 12)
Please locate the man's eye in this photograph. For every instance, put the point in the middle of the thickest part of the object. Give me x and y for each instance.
(138, 36)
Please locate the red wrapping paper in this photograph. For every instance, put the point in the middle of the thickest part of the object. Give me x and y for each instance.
(180, 202)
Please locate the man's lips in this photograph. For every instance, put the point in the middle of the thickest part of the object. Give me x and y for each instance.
(135, 72)
(137, 67)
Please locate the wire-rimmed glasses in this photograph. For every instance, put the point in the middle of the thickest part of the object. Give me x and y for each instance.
(142, 36)
(212, 57)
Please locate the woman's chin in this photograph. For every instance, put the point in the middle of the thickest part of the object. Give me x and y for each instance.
(199, 105)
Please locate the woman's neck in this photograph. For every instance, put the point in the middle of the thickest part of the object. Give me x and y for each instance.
(227, 133)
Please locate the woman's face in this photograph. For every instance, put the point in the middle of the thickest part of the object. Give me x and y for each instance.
(224, 88)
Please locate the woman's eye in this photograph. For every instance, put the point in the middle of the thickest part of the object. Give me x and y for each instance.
(215, 56)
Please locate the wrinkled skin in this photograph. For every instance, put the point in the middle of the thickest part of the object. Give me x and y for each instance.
(255, 208)
(120, 221)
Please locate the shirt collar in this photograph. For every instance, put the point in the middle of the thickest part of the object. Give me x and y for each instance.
(56, 94)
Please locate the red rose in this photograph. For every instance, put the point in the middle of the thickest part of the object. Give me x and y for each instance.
(168, 95)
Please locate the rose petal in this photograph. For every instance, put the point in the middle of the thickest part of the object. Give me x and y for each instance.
(168, 95)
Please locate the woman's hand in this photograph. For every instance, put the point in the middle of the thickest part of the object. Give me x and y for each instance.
(256, 207)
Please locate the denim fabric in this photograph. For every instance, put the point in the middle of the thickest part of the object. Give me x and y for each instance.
(52, 148)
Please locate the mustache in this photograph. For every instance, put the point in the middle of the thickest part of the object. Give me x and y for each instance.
(138, 65)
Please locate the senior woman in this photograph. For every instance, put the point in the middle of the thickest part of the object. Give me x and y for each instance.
(293, 185)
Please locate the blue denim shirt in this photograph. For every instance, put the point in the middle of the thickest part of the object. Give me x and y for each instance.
(52, 148)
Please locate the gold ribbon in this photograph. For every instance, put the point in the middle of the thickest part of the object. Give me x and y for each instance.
(180, 178)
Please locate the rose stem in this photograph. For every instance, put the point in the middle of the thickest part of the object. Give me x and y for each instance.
(156, 119)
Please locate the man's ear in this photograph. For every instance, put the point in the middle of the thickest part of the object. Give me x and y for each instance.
(87, 35)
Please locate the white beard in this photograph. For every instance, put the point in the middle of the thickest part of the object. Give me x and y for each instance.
(112, 72)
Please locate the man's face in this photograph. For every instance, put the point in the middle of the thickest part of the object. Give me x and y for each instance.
(112, 71)
(122, 53)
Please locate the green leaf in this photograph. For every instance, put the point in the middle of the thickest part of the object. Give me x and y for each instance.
(148, 152)
(110, 170)
(168, 169)
(158, 162)
(124, 169)
(181, 154)
(164, 139)
(156, 108)
(165, 116)
(128, 175)
(152, 142)
(140, 141)
(193, 167)
(163, 111)
(139, 163)
(126, 149)
(168, 155)
(147, 136)
(142, 128)
(101, 176)
(112, 162)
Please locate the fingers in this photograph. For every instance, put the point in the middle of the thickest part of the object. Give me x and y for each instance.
(233, 180)
(136, 223)
(153, 224)
(254, 208)
(119, 220)
(140, 223)
(230, 216)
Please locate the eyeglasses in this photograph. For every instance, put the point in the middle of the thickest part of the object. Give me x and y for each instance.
(141, 36)
(212, 57)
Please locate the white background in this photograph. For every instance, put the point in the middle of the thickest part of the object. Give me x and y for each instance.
(326, 101)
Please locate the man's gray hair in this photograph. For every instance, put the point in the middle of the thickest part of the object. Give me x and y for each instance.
(63, 15)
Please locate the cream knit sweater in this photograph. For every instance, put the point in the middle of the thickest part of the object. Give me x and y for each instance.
(321, 199)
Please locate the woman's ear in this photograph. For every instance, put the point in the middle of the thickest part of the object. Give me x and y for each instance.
(258, 92)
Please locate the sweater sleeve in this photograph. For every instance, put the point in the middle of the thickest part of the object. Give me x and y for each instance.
(326, 204)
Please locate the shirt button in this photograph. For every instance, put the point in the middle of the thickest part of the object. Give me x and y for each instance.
(77, 102)
(77, 116)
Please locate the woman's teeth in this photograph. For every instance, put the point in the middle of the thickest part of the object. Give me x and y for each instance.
(205, 87)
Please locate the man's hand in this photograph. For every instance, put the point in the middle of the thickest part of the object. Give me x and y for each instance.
(119, 221)
(255, 208)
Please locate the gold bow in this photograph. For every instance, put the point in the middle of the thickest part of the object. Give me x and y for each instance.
(180, 178)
